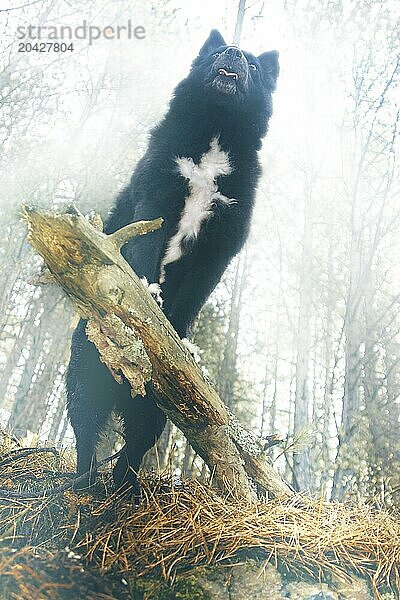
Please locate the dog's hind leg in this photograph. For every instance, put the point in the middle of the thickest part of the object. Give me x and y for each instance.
(86, 434)
(143, 424)
(90, 389)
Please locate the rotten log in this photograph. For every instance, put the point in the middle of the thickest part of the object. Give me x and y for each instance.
(135, 340)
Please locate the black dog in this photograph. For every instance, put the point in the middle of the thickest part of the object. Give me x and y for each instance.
(200, 174)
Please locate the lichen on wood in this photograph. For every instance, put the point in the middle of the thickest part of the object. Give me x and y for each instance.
(122, 351)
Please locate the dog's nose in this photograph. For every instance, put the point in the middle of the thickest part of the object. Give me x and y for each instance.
(233, 52)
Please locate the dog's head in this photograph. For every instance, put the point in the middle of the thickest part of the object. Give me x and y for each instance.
(232, 75)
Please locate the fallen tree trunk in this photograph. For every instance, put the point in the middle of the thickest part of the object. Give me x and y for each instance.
(135, 340)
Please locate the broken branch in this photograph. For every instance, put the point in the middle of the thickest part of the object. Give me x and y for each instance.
(136, 340)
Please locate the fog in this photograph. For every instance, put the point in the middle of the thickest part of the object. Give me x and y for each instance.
(315, 313)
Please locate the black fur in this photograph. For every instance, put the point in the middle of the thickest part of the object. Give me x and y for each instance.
(205, 105)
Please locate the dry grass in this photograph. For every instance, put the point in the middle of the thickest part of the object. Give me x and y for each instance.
(177, 527)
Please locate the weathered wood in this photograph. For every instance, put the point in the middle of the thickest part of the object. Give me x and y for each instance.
(136, 340)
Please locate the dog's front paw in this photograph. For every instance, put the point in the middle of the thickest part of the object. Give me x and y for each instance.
(218, 197)
(155, 291)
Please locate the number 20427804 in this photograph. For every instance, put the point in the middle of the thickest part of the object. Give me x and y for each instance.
(45, 47)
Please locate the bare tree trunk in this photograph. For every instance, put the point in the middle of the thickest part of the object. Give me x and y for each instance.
(187, 462)
(58, 416)
(344, 469)
(18, 421)
(62, 434)
(264, 399)
(301, 460)
(20, 342)
(9, 277)
(277, 351)
(227, 371)
(292, 401)
(239, 22)
(329, 367)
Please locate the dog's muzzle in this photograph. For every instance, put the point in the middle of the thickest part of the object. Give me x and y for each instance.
(231, 71)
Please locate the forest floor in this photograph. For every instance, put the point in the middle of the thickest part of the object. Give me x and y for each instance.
(101, 546)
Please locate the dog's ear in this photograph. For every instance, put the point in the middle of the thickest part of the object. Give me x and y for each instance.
(214, 41)
(270, 67)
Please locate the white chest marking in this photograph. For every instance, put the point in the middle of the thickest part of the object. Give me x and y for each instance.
(203, 194)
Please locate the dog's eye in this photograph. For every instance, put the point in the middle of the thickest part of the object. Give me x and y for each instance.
(253, 66)
(216, 54)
